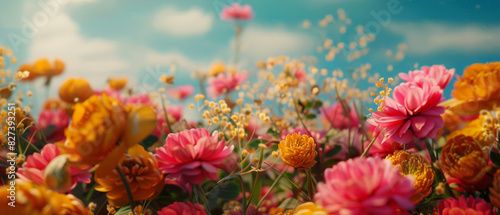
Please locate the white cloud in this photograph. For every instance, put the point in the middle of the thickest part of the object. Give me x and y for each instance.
(172, 58)
(432, 37)
(189, 22)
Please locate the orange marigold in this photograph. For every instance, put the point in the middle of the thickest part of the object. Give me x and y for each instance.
(75, 90)
(484, 129)
(495, 190)
(463, 158)
(298, 151)
(478, 89)
(32, 198)
(141, 170)
(416, 165)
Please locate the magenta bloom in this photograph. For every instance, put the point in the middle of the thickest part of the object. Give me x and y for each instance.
(57, 118)
(436, 74)
(180, 208)
(34, 167)
(141, 99)
(193, 155)
(181, 92)
(237, 12)
(413, 113)
(463, 205)
(365, 186)
(336, 116)
(224, 83)
(300, 74)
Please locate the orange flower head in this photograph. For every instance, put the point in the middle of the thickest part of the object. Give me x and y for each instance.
(43, 67)
(217, 68)
(28, 71)
(75, 90)
(32, 198)
(478, 89)
(463, 158)
(298, 151)
(309, 208)
(484, 129)
(141, 170)
(97, 125)
(495, 190)
(117, 83)
(416, 165)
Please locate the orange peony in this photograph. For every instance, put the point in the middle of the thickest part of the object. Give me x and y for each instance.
(484, 129)
(298, 151)
(463, 158)
(478, 89)
(75, 90)
(495, 190)
(32, 198)
(416, 165)
(141, 170)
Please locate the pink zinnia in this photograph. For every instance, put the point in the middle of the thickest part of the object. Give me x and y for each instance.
(180, 208)
(365, 186)
(224, 83)
(337, 117)
(34, 167)
(237, 12)
(193, 155)
(436, 74)
(57, 118)
(181, 92)
(413, 113)
(463, 205)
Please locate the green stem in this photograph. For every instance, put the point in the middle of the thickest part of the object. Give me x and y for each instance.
(310, 186)
(271, 188)
(244, 195)
(166, 116)
(127, 187)
(370, 145)
(439, 174)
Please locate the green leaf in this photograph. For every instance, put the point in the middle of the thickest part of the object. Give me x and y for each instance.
(125, 210)
(334, 151)
(317, 104)
(227, 191)
(255, 143)
(149, 141)
(256, 194)
(309, 105)
(272, 132)
(311, 116)
(495, 158)
(289, 203)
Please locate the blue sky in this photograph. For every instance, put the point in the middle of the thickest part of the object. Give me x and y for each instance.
(99, 39)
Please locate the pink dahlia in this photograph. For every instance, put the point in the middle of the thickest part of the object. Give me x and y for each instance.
(469, 205)
(224, 83)
(181, 92)
(337, 117)
(193, 155)
(34, 167)
(237, 12)
(436, 74)
(179, 208)
(413, 113)
(57, 118)
(365, 186)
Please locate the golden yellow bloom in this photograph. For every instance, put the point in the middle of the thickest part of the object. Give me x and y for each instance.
(117, 83)
(309, 208)
(97, 124)
(217, 68)
(32, 198)
(298, 151)
(416, 165)
(483, 129)
(43, 67)
(478, 89)
(141, 170)
(495, 190)
(75, 90)
(463, 158)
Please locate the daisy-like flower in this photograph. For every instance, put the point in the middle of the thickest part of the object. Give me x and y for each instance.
(298, 151)
(462, 205)
(237, 12)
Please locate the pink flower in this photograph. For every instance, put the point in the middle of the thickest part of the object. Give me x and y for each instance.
(34, 167)
(436, 74)
(318, 136)
(365, 186)
(193, 155)
(300, 74)
(351, 146)
(57, 118)
(463, 205)
(116, 94)
(141, 99)
(224, 83)
(237, 12)
(413, 113)
(181, 92)
(179, 208)
(336, 116)
(174, 114)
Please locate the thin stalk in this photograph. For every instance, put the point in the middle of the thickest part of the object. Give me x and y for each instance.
(127, 188)
(310, 186)
(270, 189)
(261, 159)
(370, 145)
(244, 195)
(166, 116)
(439, 174)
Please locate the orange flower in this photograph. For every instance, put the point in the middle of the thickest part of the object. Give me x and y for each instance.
(29, 72)
(217, 68)
(463, 158)
(75, 90)
(495, 190)
(478, 89)
(141, 170)
(117, 83)
(416, 165)
(298, 151)
(483, 129)
(43, 67)
(309, 208)
(97, 125)
(32, 198)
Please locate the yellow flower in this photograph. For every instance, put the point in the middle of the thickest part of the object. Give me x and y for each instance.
(298, 151)
(495, 190)
(309, 208)
(43, 67)
(141, 170)
(483, 129)
(75, 90)
(478, 89)
(217, 68)
(416, 165)
(117, 83)
(32, 198)
(463, 158)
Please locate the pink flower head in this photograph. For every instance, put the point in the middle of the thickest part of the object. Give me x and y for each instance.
(237, 12)
(224, 83)
(463, 205)
(300, 74)
(57, 118)
(365, 186)
(34, 167)
(179, 208)
(413, 113)
(141, 99)
(336, 116)
(116, 94)
(181, 92)
(174, 113)
(318, 136)
(193, 155)
(436, 74)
